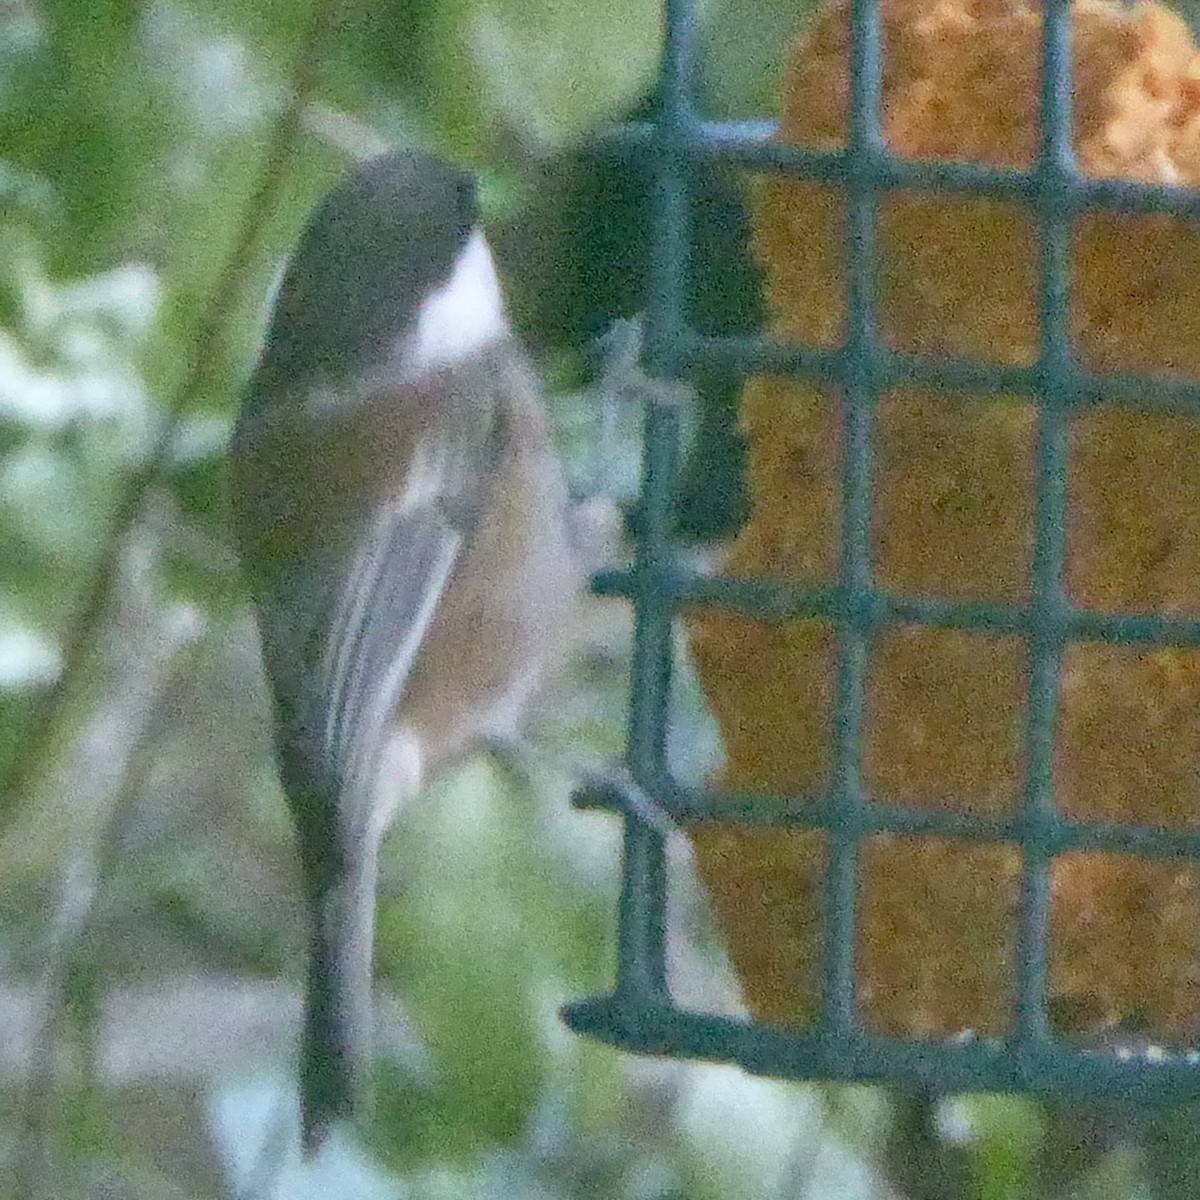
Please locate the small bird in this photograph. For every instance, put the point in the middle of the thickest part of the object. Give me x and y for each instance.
(407, 539)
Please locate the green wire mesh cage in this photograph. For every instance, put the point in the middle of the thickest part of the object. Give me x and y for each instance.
(640, 1013)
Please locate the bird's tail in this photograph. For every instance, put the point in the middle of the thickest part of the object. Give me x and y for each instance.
(336, 1038)
(339, 827)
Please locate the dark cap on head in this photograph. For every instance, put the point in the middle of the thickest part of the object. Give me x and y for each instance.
(375, 247)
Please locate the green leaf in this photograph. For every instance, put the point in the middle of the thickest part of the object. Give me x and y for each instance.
(548, 70)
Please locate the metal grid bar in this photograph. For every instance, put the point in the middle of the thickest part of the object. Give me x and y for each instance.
(1138, 393)
(840, 1016)
(641, 966)
(772, 598)
(1049, 550)
(747, 144)
(640, 1014)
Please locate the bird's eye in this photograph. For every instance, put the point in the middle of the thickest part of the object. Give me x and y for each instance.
(466, 202)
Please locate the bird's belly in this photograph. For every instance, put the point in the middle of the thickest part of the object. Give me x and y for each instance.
(500, 623)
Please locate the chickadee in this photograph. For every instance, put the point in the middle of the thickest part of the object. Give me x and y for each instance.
(404, 527)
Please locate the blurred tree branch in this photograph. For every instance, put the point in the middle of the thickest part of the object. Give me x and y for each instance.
(211, 330)
(87, 867)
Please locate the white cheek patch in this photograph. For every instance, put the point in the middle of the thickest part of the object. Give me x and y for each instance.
(465, 315)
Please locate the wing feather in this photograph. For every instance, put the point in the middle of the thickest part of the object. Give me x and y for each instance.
(381, 617)
(347, 582)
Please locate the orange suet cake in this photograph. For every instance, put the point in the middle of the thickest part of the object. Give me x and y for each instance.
(953, 516)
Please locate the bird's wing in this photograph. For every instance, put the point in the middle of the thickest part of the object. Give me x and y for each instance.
(343, 611)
